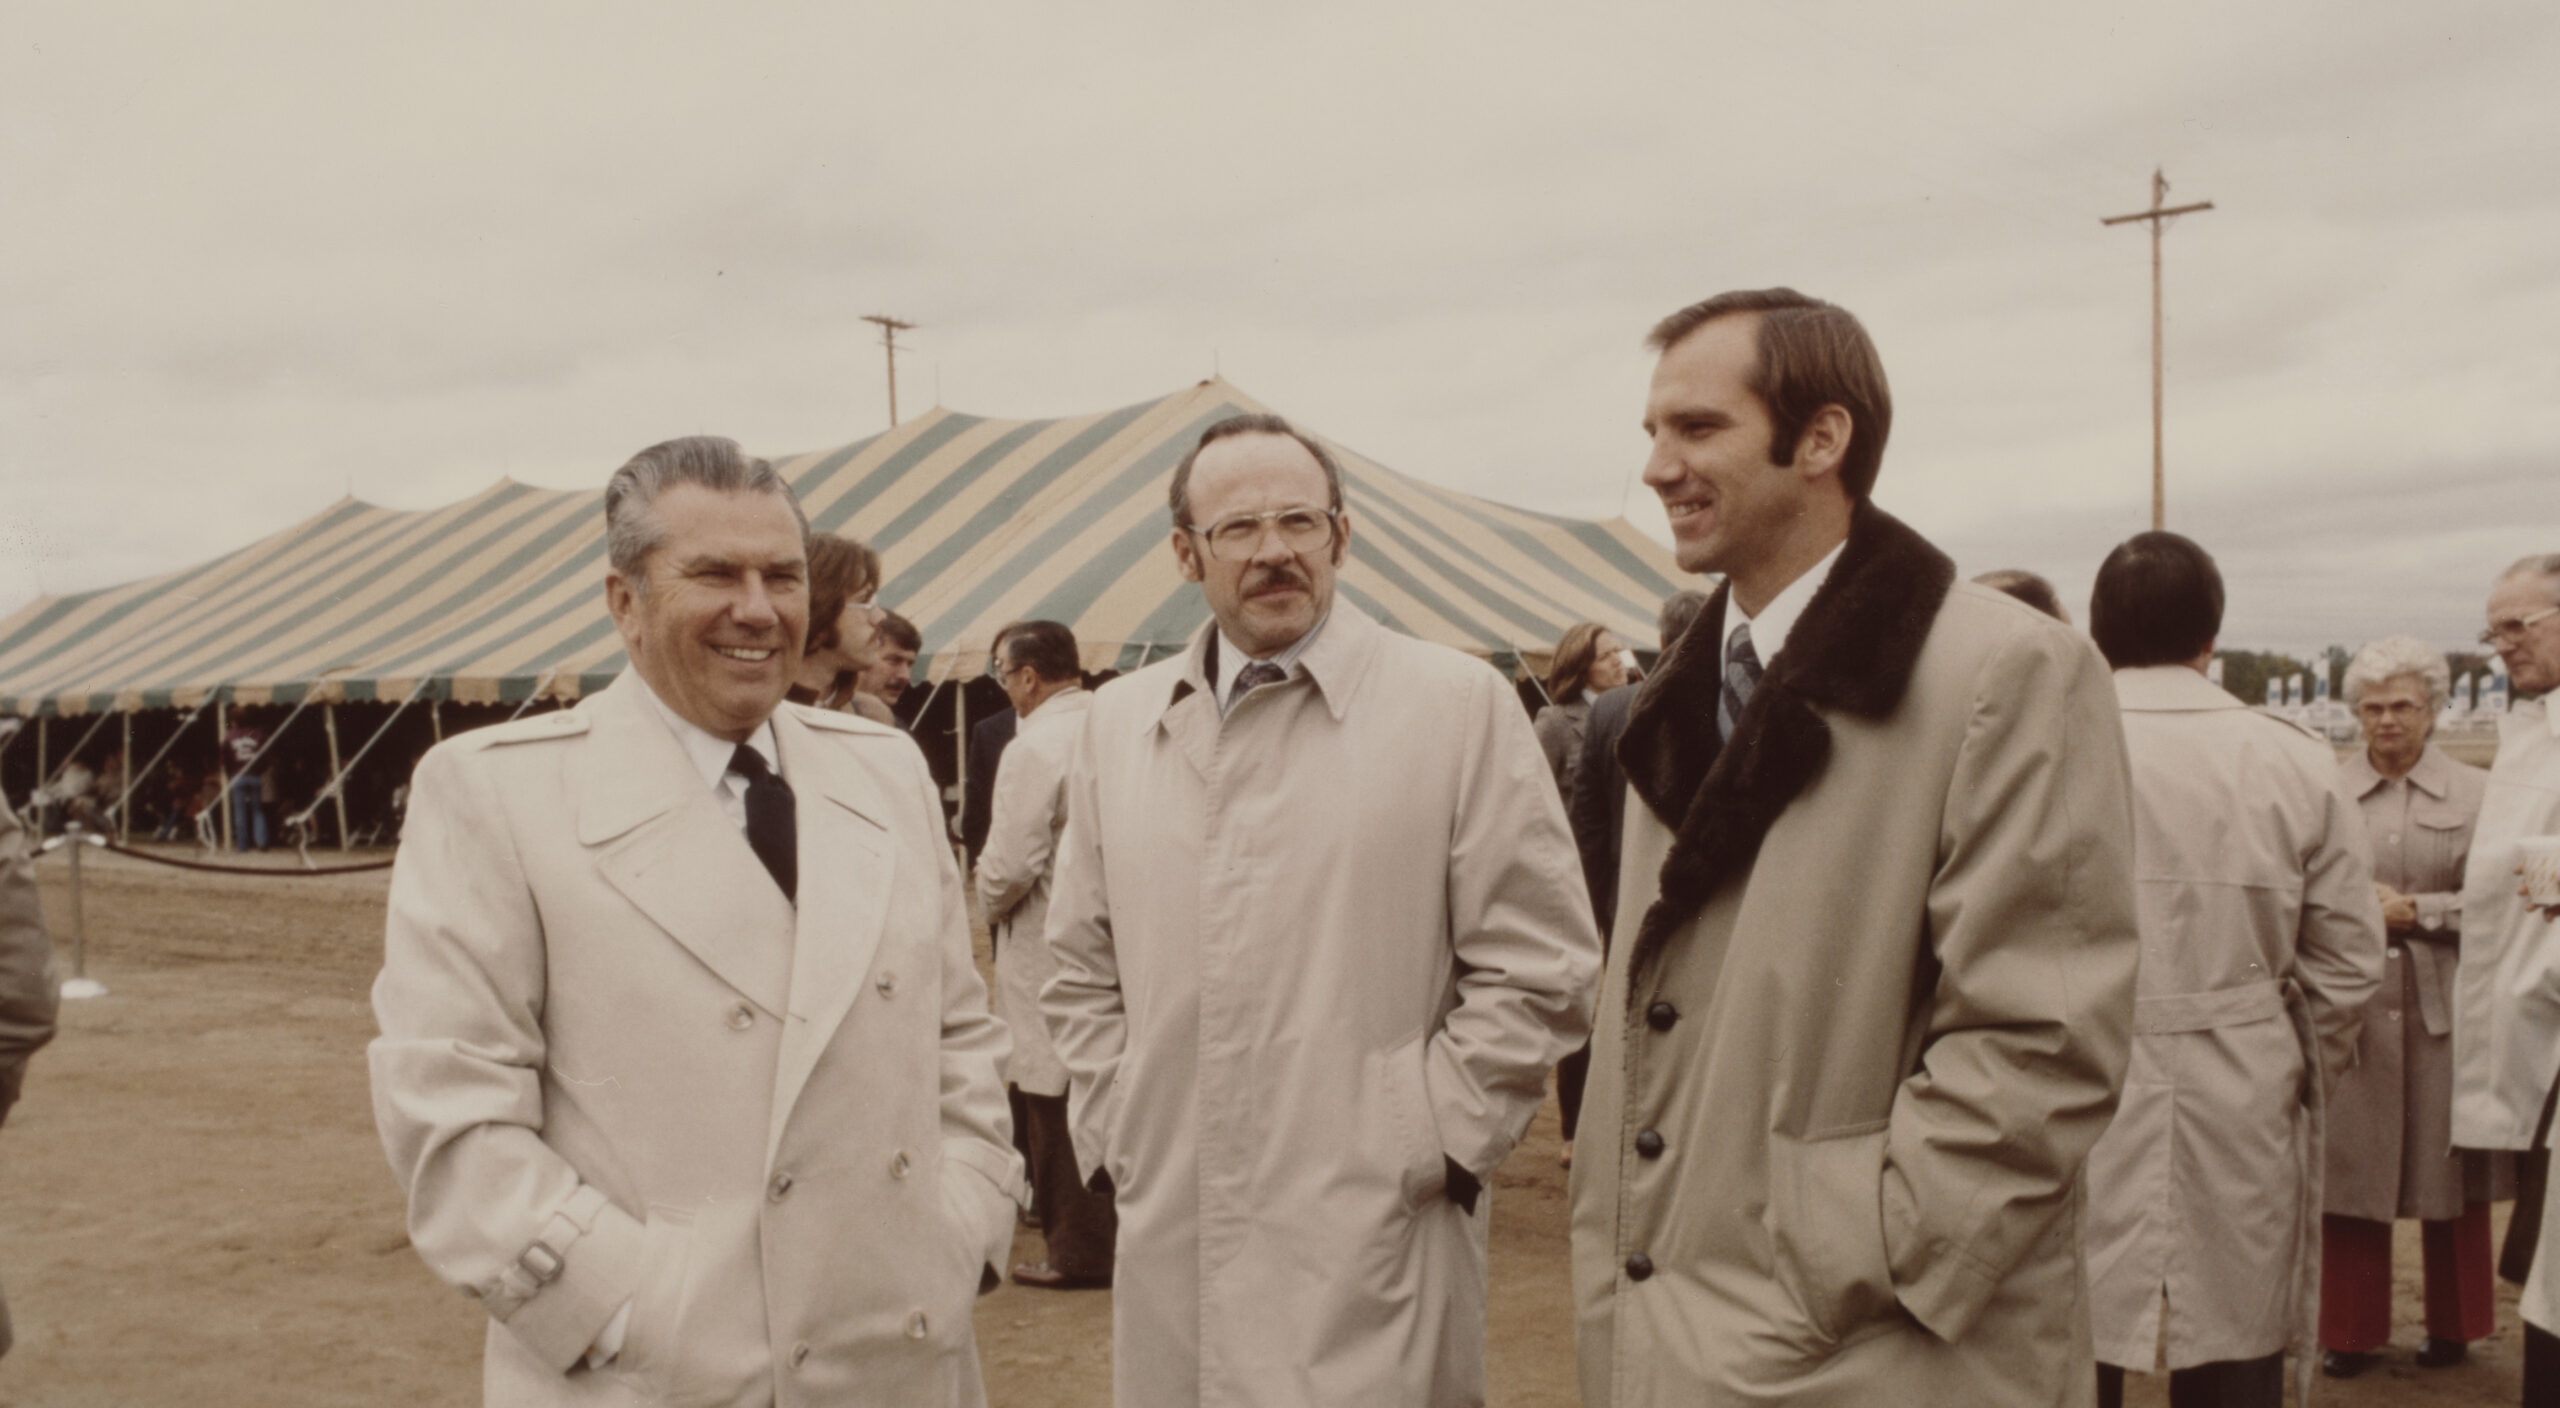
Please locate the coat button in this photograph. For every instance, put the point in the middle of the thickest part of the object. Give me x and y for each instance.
(779, 1188)
(1660, 1016)
(1649, 1144)
(741, 1017)
(899, 1164)
(917, 1326)
(799, 1354)
(888, 984)
(2393, 951)
(1639, 1267)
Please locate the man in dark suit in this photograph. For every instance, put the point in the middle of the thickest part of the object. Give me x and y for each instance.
(1596, 807)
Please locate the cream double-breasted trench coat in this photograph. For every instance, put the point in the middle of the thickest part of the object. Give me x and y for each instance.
(1309, 955)
(617, 1065)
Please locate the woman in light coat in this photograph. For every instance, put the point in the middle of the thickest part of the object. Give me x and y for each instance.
(2391, 1151)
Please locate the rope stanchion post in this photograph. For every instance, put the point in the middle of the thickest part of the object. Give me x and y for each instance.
(77, 838)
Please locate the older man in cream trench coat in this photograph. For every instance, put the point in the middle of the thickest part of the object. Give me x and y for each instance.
(618, 1067)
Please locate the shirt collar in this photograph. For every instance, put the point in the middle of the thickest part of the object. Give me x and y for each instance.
(1777, 620)
(708, 752)
(2432, 774)
(1231, 657)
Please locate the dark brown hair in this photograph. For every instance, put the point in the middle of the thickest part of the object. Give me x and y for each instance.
(840, 570)
(1811, 354)
(1570, 669)
(2158, 602)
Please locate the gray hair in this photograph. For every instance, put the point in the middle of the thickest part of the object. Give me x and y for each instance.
(714, 462)
(2391, 657)
(2545, 565)
(1678, 611)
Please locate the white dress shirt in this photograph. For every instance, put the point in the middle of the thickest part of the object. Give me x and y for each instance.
(1232, 660)
(1777, 620)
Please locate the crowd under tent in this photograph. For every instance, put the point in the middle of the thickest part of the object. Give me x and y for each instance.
(417, 621)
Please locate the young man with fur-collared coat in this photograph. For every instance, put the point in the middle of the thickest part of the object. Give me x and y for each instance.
(1870, 997)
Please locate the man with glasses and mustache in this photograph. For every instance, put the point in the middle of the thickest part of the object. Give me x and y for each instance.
(1320, 932)
(2506, 1024)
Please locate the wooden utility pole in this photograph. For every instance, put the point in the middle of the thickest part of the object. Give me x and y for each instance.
(2158, 216)
(889, 330)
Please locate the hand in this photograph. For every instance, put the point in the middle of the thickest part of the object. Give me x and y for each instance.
(2400, 912)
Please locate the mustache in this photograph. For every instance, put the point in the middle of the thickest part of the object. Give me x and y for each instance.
(1284, 575)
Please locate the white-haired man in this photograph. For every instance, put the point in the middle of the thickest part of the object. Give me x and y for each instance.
(2506, 1034)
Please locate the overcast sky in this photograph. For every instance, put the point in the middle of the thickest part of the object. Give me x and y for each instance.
(254, 257)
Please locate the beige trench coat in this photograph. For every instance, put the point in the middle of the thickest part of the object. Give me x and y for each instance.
(617, 1065)
(1831, 1144)
(2257, 905)
(1028, 811)
(2390, 1121)
(1308, 955)
(2506, 1025)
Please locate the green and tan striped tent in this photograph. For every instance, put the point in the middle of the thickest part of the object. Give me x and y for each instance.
(978, 522)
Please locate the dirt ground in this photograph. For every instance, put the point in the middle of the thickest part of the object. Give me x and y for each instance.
(194, 1209)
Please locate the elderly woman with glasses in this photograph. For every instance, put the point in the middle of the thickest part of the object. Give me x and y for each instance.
(2390, 1122)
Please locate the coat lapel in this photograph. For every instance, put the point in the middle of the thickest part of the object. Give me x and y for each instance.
(1853, 651)
(846, 869)
(661, 840)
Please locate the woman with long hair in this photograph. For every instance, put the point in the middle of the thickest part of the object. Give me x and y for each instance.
(843, 576)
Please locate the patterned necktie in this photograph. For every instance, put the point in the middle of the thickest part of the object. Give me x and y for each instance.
(1254, 676)
(1741, 675)
(771, 830)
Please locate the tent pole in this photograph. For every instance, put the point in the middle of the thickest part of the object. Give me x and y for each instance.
(960, 732)
(124, 775)
(222, 767)
(435, 721)
(42, 738)
(329, 718)
(131, 783)
(339, 775)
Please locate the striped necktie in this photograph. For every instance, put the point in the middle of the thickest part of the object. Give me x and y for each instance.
(1741, 675)
(1254, 676)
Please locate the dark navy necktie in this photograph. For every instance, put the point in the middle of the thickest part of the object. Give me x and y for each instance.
(1741, 676)
(1254, 676)
(772, 832)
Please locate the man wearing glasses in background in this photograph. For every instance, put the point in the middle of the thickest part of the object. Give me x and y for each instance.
(1320, 932)
(2506, 1022)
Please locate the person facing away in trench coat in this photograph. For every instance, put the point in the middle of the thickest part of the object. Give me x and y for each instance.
(1320, 933)
(2390, 1121)
(1869, 994)
(2261, 941)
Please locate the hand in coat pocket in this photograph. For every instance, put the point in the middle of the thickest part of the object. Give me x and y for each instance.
(1825, 1222)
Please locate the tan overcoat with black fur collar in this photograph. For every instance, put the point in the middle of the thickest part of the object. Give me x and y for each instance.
(1868, 1008)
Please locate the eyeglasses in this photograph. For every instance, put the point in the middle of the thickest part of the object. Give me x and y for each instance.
(2396, 709)
(2500, 632)
(1238, 536)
